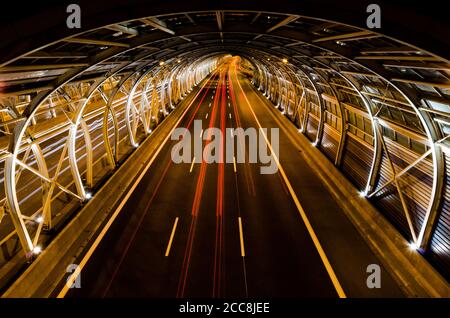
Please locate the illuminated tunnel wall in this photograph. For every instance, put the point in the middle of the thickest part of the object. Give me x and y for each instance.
(74, 107)
(75, 136)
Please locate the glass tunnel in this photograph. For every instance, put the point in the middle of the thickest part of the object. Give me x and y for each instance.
(370, 106)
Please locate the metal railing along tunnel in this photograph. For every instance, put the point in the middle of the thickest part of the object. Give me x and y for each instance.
(79, 133)
(377, 107)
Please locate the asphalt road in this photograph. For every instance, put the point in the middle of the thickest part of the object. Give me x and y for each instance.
(226, 230)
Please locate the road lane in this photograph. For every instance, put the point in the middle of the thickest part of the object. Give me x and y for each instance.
(347, 251)
(111, 255)
(286, 264)
(238, 233)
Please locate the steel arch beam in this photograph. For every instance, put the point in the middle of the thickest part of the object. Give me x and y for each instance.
(431, 132)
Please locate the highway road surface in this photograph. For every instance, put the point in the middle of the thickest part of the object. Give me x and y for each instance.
(225, 229)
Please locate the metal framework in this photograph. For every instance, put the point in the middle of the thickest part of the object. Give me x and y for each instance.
(339, 83)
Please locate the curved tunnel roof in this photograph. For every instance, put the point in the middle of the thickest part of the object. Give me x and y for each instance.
(307, 41)
(307, 30)
(312, 44)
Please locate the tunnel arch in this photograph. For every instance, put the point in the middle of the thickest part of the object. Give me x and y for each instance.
(384, 102)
